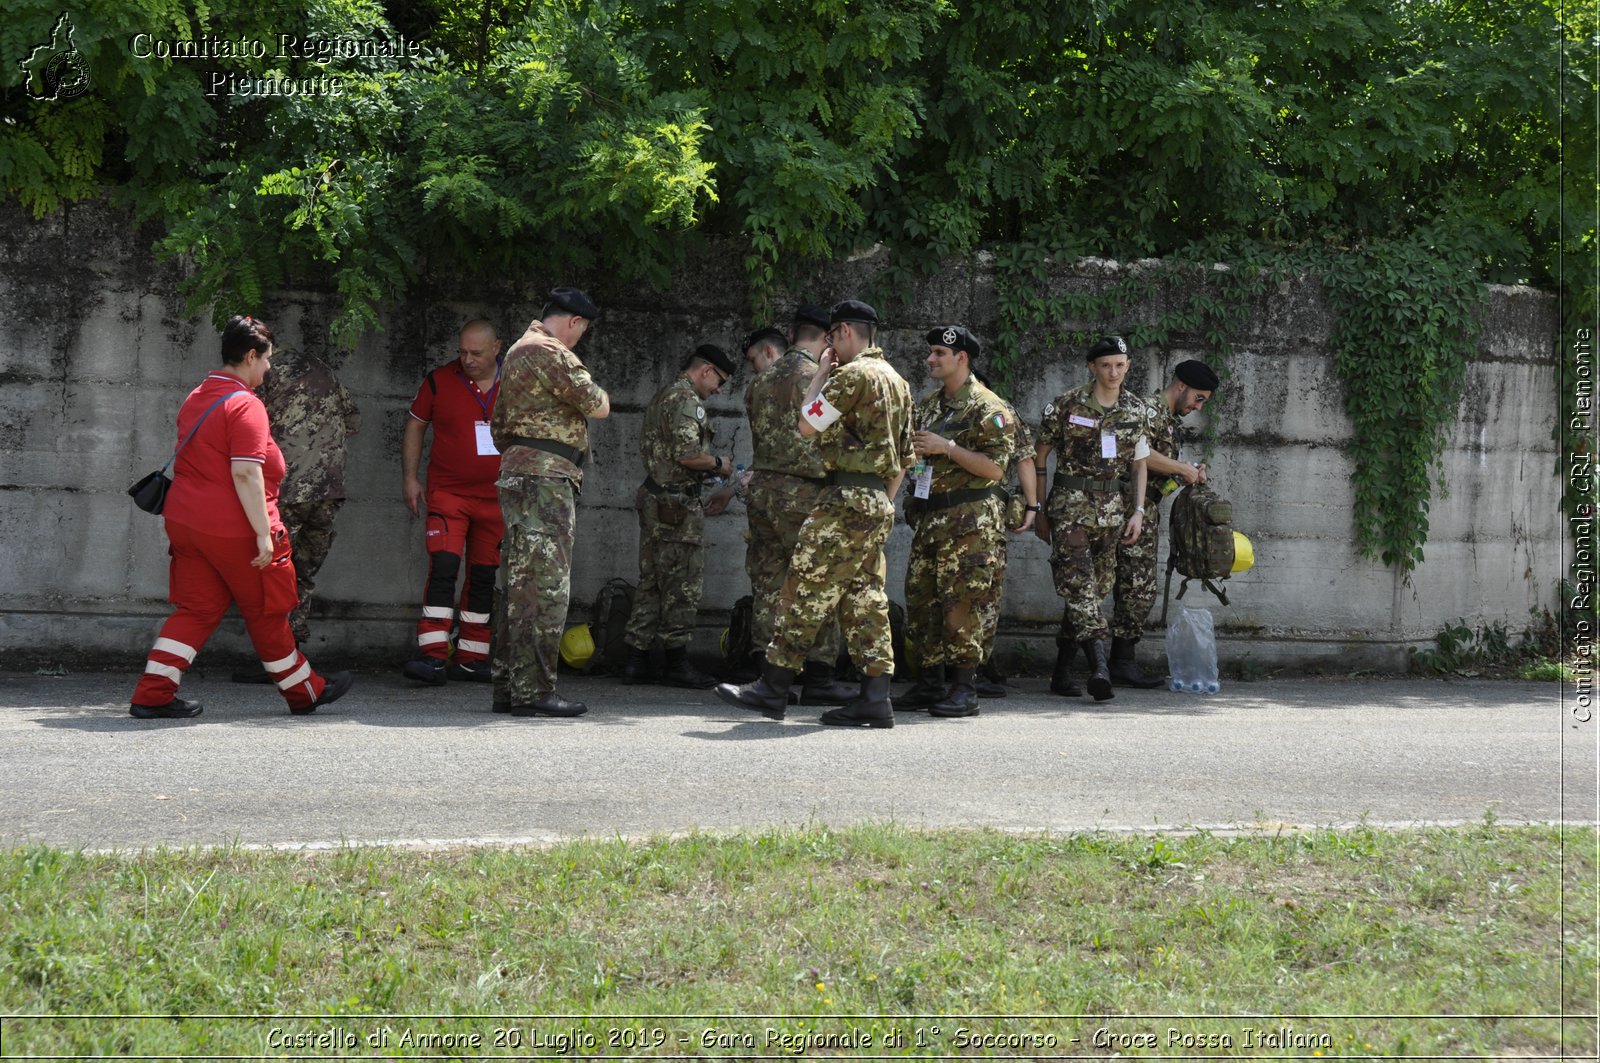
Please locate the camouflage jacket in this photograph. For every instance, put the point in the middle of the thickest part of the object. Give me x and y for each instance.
(311, 415)
(1081, 432)
(873, 433)
(1165, 435)
(772, 401)
(978, 420)
(675, 427)
(545, 393)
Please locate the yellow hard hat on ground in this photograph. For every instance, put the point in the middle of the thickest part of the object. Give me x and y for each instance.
(577, 645)
(1244, 555)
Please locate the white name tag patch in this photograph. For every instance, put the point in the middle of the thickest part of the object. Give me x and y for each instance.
(486, 446)
(1086, 422)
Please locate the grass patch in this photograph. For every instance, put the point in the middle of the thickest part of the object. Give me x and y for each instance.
(876, 922)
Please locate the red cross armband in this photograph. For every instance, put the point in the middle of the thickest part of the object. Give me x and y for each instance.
(820, 413)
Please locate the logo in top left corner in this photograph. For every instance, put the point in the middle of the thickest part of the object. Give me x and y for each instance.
(56, 70)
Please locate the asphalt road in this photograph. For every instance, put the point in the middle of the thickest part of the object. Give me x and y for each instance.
(397, 763)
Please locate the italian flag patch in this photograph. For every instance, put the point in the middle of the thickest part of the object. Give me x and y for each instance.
(999, 420)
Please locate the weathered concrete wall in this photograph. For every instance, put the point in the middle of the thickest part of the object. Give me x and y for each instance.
(96, 354)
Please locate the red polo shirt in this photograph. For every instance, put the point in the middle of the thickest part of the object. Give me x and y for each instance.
(450, 402)
(203, 495)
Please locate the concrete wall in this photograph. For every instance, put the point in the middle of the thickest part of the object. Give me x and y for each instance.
(96, 354)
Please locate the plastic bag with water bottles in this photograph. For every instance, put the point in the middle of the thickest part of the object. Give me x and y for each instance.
(1192, 652)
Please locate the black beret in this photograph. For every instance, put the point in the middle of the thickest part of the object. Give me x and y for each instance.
(811, 314)
(853, 310)
(1197, 375)
(716, 356)
(956, 338)
(573, 301)
(765, 335)
(1107, 345)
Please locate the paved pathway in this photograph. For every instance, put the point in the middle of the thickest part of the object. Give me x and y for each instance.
(400, 763)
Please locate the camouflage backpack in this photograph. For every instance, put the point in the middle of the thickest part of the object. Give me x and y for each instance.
(1201, 541)
(741, 631)
(608, 623)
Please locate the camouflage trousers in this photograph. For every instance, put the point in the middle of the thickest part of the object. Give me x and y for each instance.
(838, 569)
(310, 526)
(671, 569)
(778, 505)
(1136, 579)
(1083, 560)
(954, 581)
(534, 584)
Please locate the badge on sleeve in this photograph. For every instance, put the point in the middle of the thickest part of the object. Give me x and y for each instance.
(820, 413)
(699, 413)
(1049, 409)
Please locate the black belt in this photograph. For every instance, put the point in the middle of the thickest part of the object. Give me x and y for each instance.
(676, 489)
(1079, 483)
(857, 479)
(549, 446)
(793, 476)
(946, 499)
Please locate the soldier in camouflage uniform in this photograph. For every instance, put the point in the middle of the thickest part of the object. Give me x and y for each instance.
(675, 443)
(861, 415)
(1101, 431)
(312, 415)
(541, 429)
(1022, 508)
(785, 484)
(1193, 383)
(956, 572)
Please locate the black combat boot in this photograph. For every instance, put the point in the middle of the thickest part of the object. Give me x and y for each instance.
(1061, 679)
(549, 704)
(1125, 670)
(747, 669)
(768, 695)
(963, 697)
(638, 668)
(1099, 681)
(991, 683)
(820, 686)
(928, 689)
(871, 708)
(678, 672)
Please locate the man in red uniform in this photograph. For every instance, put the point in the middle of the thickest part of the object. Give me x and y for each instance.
(461, 503)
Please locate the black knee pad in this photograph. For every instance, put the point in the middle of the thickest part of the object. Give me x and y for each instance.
(442, 571)
(480, 587)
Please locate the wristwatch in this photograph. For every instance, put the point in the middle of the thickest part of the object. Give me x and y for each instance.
(1035, 508)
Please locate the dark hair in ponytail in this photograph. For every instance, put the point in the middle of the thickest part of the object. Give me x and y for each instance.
(243, 335)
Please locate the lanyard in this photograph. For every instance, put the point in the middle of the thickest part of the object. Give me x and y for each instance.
(478, 397)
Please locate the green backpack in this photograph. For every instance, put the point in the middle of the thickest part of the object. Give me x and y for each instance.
(1201, 547)
(608, 622)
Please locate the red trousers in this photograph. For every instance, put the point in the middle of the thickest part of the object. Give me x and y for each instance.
(457, 525)
(208, 573)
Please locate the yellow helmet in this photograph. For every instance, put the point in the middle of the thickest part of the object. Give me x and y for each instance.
(1244, 555)
(577, 645)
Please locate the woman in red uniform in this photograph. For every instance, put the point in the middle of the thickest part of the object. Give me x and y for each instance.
(227, 544)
